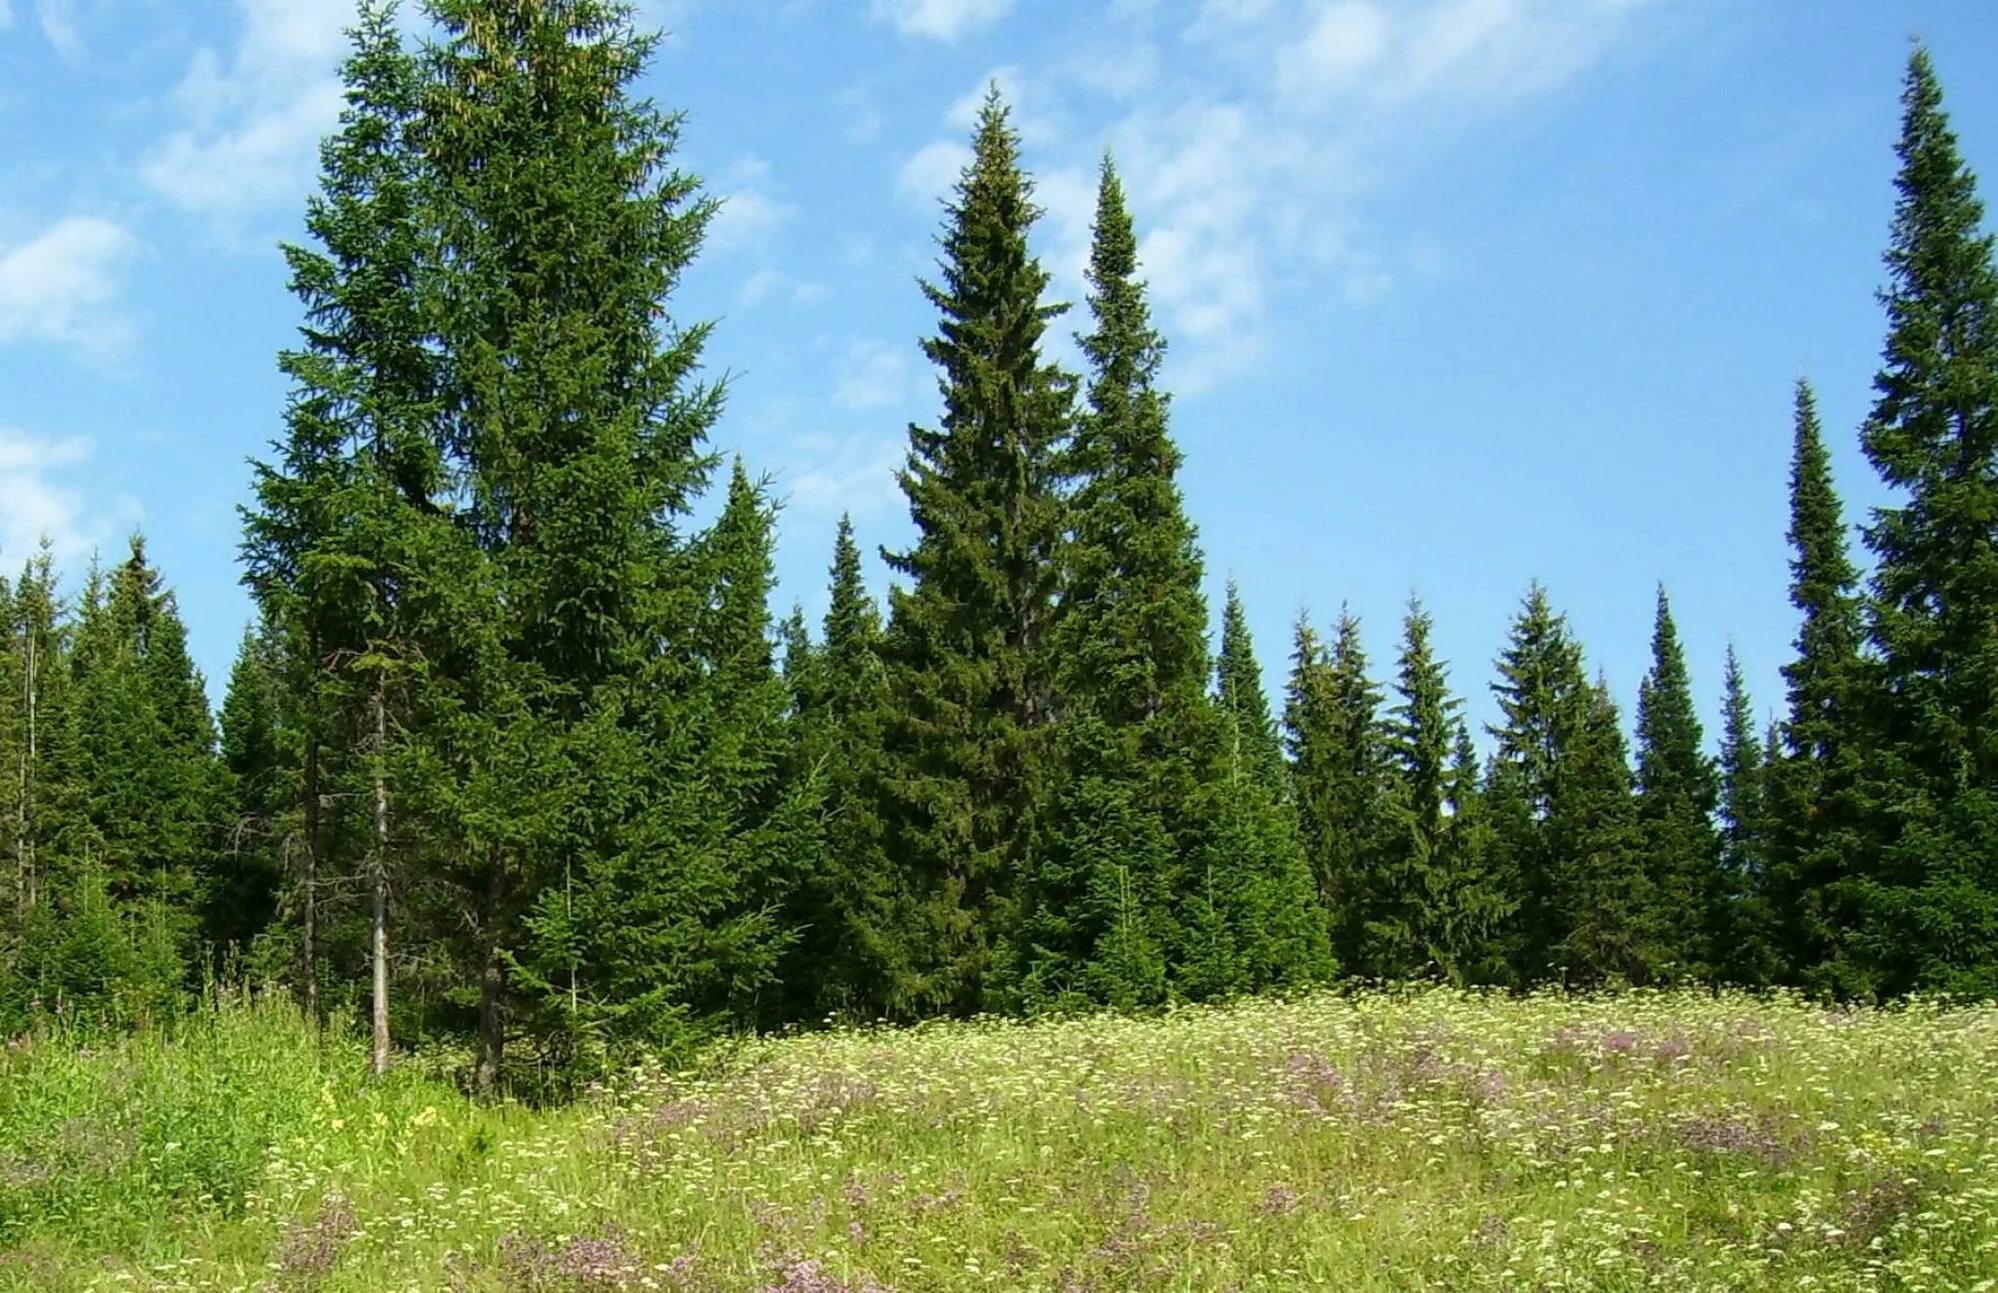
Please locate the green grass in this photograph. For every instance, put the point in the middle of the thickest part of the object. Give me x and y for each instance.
(1376, 1141)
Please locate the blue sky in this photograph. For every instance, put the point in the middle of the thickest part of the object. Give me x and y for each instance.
(1460, 292)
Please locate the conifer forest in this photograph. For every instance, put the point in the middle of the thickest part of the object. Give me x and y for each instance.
(518, 758)
(546, 909)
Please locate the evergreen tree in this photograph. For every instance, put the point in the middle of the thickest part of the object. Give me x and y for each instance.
(1744, 929)
(1475, 904)
(1603, 896)
(847, 953)
(1130, 661)
(1812, 788)
(1676, 791)
(1249, 912)
(341, 541)
(967, 753)
(569, 739)
(1545, 703)
(1339, 752)
(260, 770)
(1928, 906)
(1410, 929)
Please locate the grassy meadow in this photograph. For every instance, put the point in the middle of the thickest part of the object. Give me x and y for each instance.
(1426, 1139)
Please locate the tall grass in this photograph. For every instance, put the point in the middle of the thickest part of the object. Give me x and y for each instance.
(1425, 1139)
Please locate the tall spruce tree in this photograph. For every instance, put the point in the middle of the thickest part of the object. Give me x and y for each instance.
(1130, 648)
(1604, 897)
(1812, 790)
(1476, 903)
(967, 648)
(1928, 905)
(346, 520)
(575, 422)
(1676, 792)
(1338, 747)
(1544, 703)
(1745, 930)
(1410, 930)
(847, 953)
(1249, 911)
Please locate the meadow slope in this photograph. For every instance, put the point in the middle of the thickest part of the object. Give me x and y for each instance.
(1419, 1139)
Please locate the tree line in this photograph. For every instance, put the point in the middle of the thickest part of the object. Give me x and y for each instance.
(516, 757)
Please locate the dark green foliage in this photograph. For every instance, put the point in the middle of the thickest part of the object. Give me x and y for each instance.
(1413, 929)
(1812, 793)
(847, 954)
(1136, 735)
(1928, 900)
(1604, 897)
(1677, 787)
(1745, 930)
(1467, 938)
(1339, 764)
(966, 771)
(1566, 842)
(1249, 911)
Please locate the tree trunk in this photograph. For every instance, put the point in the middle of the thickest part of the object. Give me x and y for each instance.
(492, 993)
(309, 967)
(24, 840)
(380, 885)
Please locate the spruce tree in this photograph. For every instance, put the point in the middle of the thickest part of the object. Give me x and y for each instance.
(1544, 702)
(1928, 905)
(1409, 931)
(1339, 751)
(967, 749)
(1130, 667)
(575, 423)
(1603, 896)
(1814, 845)
(847, 952)
(1249, 912)
(1475, 904)
(1676, 791)
(339, 547)
(1744, 930)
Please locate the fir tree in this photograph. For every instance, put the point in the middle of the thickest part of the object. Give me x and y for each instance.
(1130, 657)
(1249, 912)
(1543, 698)
(1814, 842)
(1602, 894)
(1744, 927)
(1475, 904)
(575, 422)
(1676, 790)
(967, 652)
(1410, 931)
(1928, 904)
(1339, 750)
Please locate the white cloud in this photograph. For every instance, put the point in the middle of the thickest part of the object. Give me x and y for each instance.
(749, 214)
(58, 21)
(933, 170)
(1245, 193)
(846, 473)
(62, 286)
(6, 16)
(36, 504)
(251, 124)
(875, 375)
(944, 20)
(1341, 45)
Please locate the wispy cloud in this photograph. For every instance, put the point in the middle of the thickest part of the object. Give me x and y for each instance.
(944, 20)
(250, 120)
(63, 284)
(750, 213)
(36, 503)
(932, 170)
(875, 375)
(58, 23)
(1249, 151)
